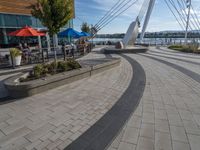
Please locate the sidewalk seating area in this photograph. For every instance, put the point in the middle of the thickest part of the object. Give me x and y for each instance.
(35, 55)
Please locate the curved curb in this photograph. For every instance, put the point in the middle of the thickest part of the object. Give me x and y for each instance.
(103, 132)
(20, 90)
(127, 51)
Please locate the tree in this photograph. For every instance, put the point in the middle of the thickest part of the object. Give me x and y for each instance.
(85, 27)
(53, 14)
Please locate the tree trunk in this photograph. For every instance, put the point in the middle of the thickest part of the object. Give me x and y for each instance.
(55, 45)
(64, 54)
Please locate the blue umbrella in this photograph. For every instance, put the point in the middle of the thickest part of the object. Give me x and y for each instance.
(85, 34)
(71, 32)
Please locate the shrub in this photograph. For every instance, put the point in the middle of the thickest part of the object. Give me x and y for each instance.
(38, 70)
(63, 66)
(52, 68)
(42, 70)
(73, 64)
(14, 52)
(45, 70)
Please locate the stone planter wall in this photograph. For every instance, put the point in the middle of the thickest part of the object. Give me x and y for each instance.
(17, 89)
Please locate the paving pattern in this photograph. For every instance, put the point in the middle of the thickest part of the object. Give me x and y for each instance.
(52, 120)
(168, 116)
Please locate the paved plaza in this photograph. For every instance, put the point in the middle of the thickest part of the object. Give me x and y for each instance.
(167, 117)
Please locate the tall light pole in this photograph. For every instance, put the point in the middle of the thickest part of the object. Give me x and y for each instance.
(188, 3)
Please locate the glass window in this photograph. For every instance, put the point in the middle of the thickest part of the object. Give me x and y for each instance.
(1, 20)
(24, 20)
(10, 20)
(1, 36)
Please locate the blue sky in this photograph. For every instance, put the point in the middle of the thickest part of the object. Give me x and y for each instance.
(92, 10)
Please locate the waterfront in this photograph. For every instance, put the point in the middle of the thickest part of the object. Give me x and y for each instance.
(150, 41)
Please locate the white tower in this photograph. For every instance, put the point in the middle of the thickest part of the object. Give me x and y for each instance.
(146, 21)
(133, 30)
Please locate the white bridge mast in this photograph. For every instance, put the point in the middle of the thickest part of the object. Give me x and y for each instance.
(147, 18)
(133, 30)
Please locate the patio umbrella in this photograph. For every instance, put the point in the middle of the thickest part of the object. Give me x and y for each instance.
(86, 34)
(28, 32)
(25, 32)
(71, 33)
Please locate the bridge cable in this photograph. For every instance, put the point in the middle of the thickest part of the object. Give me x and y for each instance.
(195, 25)
(114, 17)
(114, 14)
(180, 16)
(110, 11)
(174, 14)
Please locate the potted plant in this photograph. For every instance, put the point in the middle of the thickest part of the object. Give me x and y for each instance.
(15, 57)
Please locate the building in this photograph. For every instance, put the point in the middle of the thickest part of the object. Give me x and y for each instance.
(15, 14)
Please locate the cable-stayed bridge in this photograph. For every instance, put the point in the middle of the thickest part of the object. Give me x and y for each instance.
(182, 10)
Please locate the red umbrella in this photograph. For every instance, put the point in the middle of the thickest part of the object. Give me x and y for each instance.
(26, 31)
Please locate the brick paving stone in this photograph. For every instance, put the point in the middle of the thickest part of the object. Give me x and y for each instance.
(36, 134)
(131, 135)
(126, 146)
(162, 125)
(180, 146)
(194, 141)
(63, 144)
(5, 140)
(191, 127)
(135, 121)
(145, 144)
(147, 130)
(178, 134)
(162, 141)
(53, 145)
(168, 112)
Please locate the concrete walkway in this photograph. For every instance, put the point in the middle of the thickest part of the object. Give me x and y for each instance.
(52, 120)
(168, 116)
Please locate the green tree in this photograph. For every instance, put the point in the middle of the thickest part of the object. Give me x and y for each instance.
(53, 14)
(85, 27)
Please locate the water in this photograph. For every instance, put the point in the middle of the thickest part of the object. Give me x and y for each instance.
(150, 41)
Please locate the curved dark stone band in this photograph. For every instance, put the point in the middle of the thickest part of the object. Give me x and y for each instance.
(185, 71)
(183, 60)
(103, 132)
(173, 53)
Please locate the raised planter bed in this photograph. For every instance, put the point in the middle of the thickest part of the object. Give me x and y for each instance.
(138, 49)
(18, 89)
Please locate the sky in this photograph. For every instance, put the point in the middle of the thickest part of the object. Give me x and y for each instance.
(91, 11)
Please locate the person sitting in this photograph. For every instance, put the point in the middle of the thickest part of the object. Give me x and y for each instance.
(73, 49)
(26, 53)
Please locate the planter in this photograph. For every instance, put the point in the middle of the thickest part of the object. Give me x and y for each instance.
(16, 61)
(136, 49)
(18, 89)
